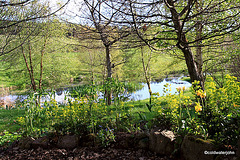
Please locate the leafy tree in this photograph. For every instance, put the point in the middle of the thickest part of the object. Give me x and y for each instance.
(185, 25)
(98, 24)
(14, 16)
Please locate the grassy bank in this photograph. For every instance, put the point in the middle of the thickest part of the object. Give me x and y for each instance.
(8, 119)
(197, 113)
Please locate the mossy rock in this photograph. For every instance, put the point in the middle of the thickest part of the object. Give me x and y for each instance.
(195, 148)
(200, 140)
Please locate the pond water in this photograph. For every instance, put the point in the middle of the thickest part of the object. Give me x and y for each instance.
(62, 94)
(158, 87)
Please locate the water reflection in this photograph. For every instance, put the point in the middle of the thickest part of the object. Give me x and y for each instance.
(158, 87)
(61, 95)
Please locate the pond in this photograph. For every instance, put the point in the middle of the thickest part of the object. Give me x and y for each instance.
(158, 87)
(62, 94)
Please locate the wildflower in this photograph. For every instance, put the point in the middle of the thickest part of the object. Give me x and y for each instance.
(183, 88)
(198, 107)
(198, 93)
(203, 95)
(234, 105)
(179, 89)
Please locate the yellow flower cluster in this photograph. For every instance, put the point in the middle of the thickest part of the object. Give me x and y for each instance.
(198, 107)
(21, 120)
(201, 93)
(179, 89)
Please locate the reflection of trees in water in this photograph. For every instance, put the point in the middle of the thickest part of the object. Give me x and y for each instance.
(20, 98)
(4, 91)
(59, 91)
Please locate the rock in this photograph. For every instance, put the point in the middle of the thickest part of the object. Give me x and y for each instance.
(42, 142)
(89, 140)
(238, 150)
(68, 142)
(194, 148)
(162, 142)
(125, 140)
(142, 141)
(26, 143)
(141, 135)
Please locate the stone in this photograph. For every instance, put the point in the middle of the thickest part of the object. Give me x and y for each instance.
(197, 148)
(141, 135)
(238, 150)
(143, 143)
(42, 142)
(89, 140)
(142, 140)
(68, 141)
(26, 143)
(162, 142)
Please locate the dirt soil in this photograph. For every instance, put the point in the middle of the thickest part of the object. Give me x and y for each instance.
(120, 150)
(82, 153)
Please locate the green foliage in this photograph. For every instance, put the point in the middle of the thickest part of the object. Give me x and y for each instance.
(213, 113)
(8, 137)
(120, 90)
(161, 65)
(221, 110)
(10, 129)
(88, 91)
(106, 136)
(178, 112)
(9, 118)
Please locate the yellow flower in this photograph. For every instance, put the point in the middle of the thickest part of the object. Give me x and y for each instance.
(198, 93)
(203, 95)
(235, 105)
(198, 107)
(179, 89)
(183, 88)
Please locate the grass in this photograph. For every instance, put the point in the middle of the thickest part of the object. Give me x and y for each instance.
(137, 109)
(186, 79)
(7, 118)
(138, 115)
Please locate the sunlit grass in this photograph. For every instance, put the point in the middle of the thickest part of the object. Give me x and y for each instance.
(8, 118)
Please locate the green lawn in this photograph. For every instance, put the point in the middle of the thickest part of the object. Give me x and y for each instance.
(7, 118)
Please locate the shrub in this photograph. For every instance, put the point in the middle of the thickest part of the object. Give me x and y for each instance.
(213, 113)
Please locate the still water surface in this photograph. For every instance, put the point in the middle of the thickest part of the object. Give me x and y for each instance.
(62, 95)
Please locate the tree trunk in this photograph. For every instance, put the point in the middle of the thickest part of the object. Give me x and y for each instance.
(92, 70)
(41, 64)
(183, 45)
(191, 65)
(29, 71)
(199, 54)
(109, 75)
(147, 77)
(31, 67)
